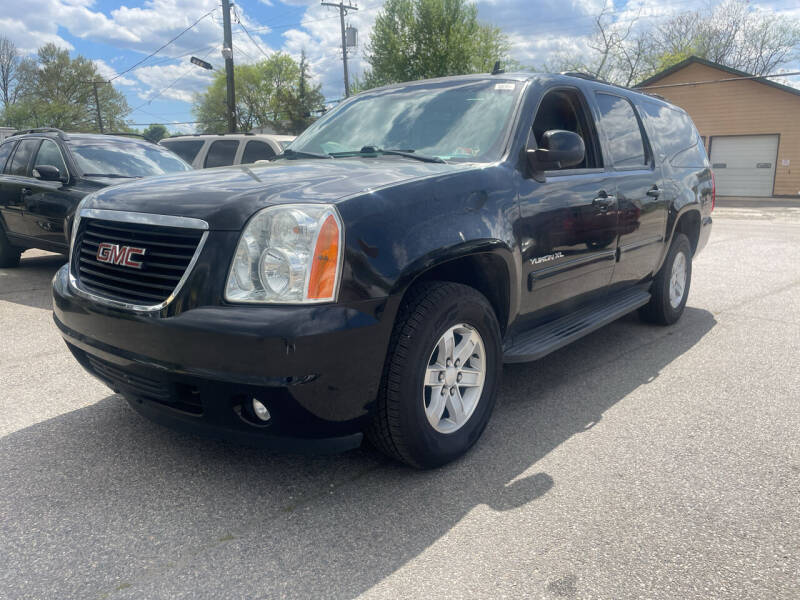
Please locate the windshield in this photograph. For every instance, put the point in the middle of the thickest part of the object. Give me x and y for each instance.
(117, 158)
(451, 120)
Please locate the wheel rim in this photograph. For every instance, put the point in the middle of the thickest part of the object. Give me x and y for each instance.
(454, 378)
(677, 280)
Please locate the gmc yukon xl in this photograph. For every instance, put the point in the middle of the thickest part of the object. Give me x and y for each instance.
(374, 277)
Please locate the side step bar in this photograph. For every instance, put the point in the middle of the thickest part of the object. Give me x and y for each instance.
(540, 341)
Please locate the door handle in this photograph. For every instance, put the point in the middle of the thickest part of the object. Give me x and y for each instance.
(26, 191)
(603, 201)
(654, 192)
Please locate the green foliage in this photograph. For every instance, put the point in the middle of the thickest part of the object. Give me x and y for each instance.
(273, 93)
(155, 133)
(57, 91)
(419, 39)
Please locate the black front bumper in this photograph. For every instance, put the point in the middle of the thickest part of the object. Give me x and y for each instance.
(316, 368)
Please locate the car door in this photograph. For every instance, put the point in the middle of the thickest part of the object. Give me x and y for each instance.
(16, 186)
(567, 225)
(50, 202)
(639, 185)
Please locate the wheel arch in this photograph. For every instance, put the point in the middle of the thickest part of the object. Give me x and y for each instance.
(487, 267)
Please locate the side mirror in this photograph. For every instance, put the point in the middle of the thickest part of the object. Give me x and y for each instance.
(557, 149)
(47, 173)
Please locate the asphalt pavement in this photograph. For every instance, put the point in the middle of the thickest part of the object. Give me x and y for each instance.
(640, 462)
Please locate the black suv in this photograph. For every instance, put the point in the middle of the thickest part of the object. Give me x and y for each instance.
(376, 275)
(45, 173)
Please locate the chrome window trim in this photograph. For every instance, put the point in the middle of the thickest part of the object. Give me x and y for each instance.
(142, 219)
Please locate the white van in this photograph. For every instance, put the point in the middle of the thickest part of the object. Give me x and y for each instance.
(203, 151)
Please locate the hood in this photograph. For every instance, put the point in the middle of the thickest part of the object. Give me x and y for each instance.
(226, 197)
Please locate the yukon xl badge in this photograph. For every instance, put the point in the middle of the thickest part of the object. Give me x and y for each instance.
(114, 254)
(546, 258)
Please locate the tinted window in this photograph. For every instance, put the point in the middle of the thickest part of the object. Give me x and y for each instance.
(123, 158)
(254, 151)
(564, 109)
(49, 154)
(674, 134)
(618, 120)
(186, 149)
(5, 152)
(19, 163)
(221, 153)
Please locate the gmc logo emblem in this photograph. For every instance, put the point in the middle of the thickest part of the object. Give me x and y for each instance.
(114, 254)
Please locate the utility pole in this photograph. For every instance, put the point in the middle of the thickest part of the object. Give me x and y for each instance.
(343, 8)
(227, 53)
(97, 105)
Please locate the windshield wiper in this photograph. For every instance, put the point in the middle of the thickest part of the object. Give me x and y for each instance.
(115, 175)
(289, 153)
(408, 153)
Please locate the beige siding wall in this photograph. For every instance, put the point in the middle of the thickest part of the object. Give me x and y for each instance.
(741, 108)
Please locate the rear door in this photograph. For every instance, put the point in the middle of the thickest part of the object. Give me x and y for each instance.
(638, 183)
(221, 153)
(16, 186)
(188, 150)
(744, 165)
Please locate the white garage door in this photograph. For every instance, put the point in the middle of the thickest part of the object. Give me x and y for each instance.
(744, 165)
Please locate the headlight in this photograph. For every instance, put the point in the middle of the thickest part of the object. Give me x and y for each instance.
(288, 254)
(76, 221)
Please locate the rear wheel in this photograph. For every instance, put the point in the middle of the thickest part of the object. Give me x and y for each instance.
(670, 289)
(441, 376)
(9, 254)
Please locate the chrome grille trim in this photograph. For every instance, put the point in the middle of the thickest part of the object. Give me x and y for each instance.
(139, 219)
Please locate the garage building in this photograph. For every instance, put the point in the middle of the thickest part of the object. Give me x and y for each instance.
(751, 127)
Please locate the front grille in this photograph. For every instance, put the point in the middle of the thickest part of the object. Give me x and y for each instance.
(168, 252)
(178, 396)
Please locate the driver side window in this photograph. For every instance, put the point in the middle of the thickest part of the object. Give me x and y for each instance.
(565, 109)
(49, 154)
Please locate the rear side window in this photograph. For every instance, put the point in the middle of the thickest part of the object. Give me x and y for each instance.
(625, 143)
(186, 149)
(5, 152)
(21, 158)
(255, 150)
(221, 153)
(674, 134)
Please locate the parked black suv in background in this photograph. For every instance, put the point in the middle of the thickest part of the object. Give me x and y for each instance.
(45, 173)
(374, 277)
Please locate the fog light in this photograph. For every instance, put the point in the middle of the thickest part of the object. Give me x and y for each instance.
(260, 410)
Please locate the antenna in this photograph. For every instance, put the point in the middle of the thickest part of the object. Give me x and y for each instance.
(497, 70)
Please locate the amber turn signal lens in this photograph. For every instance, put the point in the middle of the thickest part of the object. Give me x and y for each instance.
(324, 266)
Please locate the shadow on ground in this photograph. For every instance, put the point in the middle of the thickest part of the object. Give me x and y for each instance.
(99, 501)
(29, 283)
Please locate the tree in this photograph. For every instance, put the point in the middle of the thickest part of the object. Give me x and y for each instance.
(57, 91)
(267, 95)
(418, 39)
(155, 133)
(9, 68)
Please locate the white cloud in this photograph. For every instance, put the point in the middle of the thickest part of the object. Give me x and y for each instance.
(108, 72)
(161, 80)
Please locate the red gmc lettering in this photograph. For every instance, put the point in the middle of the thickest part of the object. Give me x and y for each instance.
(119, 255)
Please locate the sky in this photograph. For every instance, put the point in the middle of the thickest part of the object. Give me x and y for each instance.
(118, 34)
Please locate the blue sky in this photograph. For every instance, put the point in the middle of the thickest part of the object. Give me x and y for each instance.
(119, 33)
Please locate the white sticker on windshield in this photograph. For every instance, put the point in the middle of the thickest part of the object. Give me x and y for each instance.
(505, 86)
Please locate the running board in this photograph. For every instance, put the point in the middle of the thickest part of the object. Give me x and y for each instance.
(538, 342)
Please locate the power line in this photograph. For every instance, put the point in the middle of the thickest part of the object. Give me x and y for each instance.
(152, 54)
(176, 80)
(252, 39)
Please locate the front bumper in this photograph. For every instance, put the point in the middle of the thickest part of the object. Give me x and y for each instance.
(316, 368)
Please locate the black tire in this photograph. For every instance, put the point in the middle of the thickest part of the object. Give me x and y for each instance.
(9, 255)
(400, 427)
(660, 310)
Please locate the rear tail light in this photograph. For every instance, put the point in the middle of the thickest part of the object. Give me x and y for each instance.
(713, 192)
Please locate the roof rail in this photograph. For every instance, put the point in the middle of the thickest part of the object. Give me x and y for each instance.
(60, 133)
(580, 74)
(126, 134)
(654, 95)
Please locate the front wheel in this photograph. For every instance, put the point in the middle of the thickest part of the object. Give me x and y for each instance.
(9, 255)
(670, 288)
(441, 376)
